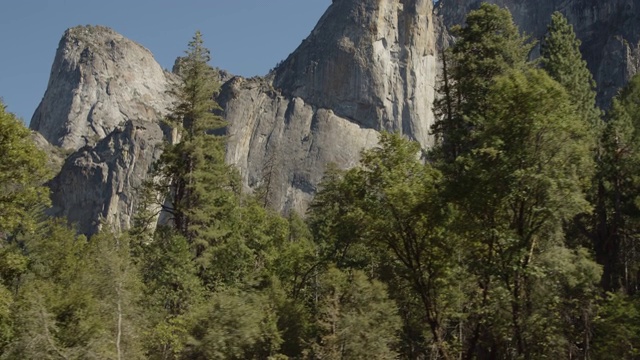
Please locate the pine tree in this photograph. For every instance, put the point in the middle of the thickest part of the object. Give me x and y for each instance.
(487, 46)
(201, 188)
(562, 60)
(617, 242)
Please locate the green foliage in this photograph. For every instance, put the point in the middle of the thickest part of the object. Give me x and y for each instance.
(617, 330)
(116, 286)
(562, 60)
(355, 318)
(172, 290)
(234, 325)
(487, 46)
(618, 219)
(193, 114)
(23, 170)
(533, 151)
(202, 191)
(390, 220)
(523, 181)
(6, 321)
(52, 305)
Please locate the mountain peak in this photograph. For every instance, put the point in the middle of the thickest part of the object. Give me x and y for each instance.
(370, 61)
(99, 80)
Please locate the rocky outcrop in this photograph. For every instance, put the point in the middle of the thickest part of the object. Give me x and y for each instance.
(609, 30)
(369, 65)
(99, 80)
(101, 184)
(370, 61)
(55, 155)
(284, 144)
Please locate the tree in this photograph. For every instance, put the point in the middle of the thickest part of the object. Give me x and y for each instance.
(562, 60)
(202, 190)
(515, 156)
(487, 46)
(234, 325)
(355, 318)
(23, 172)
(53, 313)
(115, 283)
(616, 330)
(618, 211)
(172, 292)
(390, 221)
(524, 180)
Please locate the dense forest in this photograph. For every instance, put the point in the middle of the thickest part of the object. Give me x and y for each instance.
(515, 237)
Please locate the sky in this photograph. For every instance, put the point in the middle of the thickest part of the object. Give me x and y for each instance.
(246, 37)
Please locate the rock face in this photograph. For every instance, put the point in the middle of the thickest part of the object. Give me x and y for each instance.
(369, 65)
(99, 80)
(101, 184)
(370, 61)
(609, 30)
(284, 143)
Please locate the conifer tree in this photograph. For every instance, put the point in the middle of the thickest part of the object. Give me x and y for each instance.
(562, 60)
(487, 46)
(617, 242)
(202, 190)
(516, 162)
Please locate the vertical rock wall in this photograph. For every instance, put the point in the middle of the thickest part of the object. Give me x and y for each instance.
(368, 66)
(101, 184)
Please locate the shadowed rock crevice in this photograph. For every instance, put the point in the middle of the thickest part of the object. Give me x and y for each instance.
(102, 183)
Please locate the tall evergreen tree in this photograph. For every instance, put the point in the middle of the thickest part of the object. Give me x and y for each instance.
(487, 46)
(617, 243)
(516, 162)
(562, 60)
(202, 190)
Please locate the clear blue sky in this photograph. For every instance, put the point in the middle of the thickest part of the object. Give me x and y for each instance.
(246, 37)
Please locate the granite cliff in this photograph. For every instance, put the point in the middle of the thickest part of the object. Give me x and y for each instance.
(101, 184)
(99, 80)
(368, 65)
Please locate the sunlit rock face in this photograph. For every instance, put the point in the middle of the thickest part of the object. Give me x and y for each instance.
(368, 65)
(99, 80)
(609, 30)
(101, 185)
